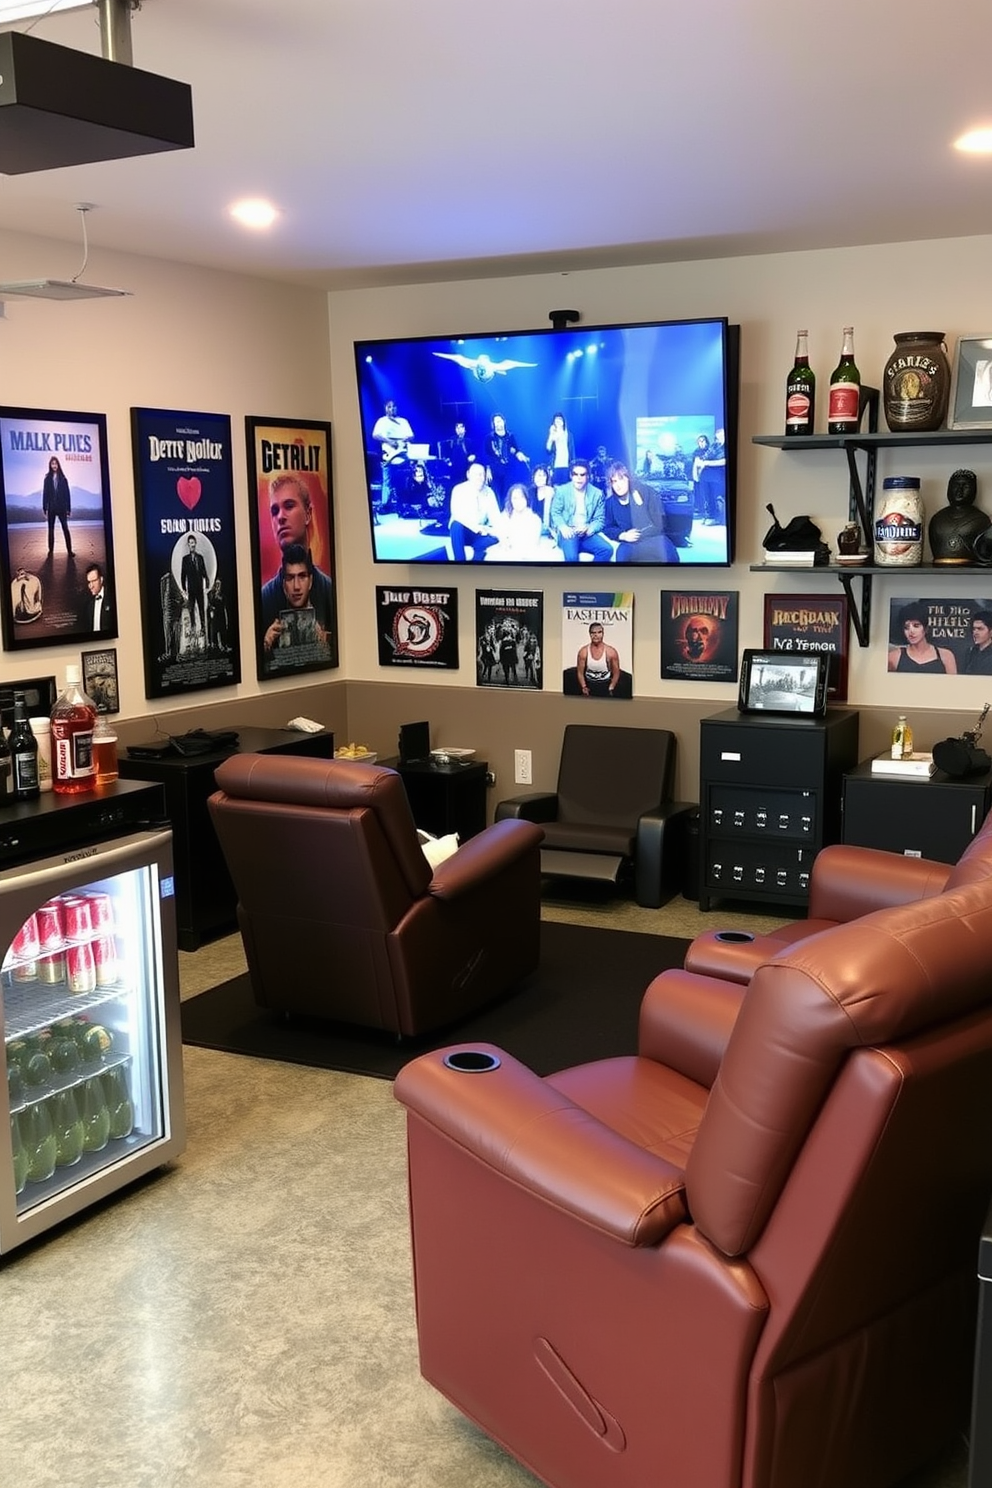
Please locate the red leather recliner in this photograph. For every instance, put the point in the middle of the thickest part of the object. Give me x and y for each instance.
(340, 914)
(744, 1257)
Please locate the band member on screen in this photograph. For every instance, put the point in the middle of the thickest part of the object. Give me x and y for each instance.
(635, 520)
(561, 447)
(709, 471)
(457, 452)
(392, 433)
(501, 450)
(474, 516)
(578, 514)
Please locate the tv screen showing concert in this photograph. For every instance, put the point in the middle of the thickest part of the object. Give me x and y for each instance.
(610, 444)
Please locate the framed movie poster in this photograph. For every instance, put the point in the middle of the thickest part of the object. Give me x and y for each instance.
(292, 546)
(597, 637)
(941, 637)
(99, 674)
(184, 486)
(56, 539)
(811, 622)
(699, 636)
(509, 636)
(417, 627)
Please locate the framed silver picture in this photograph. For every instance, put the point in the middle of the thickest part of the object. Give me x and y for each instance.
(971, 384)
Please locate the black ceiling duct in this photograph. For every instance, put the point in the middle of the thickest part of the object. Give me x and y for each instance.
(61, 107)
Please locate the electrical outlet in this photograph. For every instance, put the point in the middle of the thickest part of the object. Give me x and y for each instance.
(521, 767)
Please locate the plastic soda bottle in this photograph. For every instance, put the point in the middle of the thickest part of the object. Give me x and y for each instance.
(73, 717)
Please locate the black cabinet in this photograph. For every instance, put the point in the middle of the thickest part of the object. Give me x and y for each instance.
(205, 897)
(446, 798)
(934, 818)
(770, 798)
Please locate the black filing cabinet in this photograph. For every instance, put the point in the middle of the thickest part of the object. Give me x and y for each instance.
(934, 818)
(770, 798)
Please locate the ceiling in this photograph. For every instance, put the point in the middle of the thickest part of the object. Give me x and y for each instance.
(408, 142)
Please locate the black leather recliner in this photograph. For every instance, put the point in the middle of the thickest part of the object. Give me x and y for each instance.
(612, 813)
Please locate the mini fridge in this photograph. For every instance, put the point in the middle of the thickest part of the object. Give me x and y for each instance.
(89, 1003)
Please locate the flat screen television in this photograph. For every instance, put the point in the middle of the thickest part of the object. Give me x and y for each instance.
(608, 444)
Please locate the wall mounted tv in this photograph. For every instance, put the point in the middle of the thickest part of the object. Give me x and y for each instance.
(607, 444)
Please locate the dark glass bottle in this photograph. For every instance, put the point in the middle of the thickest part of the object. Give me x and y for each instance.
(23, 755)
(800, 391)
(5, 781)
(844, 410)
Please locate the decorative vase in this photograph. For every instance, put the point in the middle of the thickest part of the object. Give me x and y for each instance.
(916, 382)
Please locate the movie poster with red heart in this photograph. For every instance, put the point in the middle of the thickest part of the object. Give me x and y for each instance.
(56, 540)
(184, 484)
(292, 546)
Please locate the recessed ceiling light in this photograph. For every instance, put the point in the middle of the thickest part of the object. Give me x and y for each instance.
(23, 10)
(975, 141)
(254, 213)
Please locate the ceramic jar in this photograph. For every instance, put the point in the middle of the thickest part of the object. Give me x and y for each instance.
(916, 382)
(898, 529)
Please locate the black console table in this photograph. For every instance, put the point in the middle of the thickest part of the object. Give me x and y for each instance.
(205, 899)
(929, 818)
(445, 798)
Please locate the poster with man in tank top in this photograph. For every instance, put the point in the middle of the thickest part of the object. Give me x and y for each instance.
(940, 637)
(699, 636)
(597, 645)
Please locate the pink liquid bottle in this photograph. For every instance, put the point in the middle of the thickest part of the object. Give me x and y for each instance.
(73, 717)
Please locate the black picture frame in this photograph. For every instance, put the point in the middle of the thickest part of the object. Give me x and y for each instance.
(39, 696)
(296, 452)
(781, 682)
(99, 677)
(54, 530)
(187, 553)
(971, 384)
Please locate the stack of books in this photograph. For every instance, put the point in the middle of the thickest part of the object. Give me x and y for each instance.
(791, 557)
(912, 766)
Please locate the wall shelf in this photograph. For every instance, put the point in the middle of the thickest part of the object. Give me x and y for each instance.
(862, 500)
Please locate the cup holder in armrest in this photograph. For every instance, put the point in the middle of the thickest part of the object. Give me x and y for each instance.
(471, 1061)
(734, 937)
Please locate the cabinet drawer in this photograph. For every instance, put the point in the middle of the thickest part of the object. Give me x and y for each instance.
(767, 867)
(751, 756)
(756, 811)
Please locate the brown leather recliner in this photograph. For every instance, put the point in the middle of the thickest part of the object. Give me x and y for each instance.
(846, 883)
(744, 1257)
(340, 914)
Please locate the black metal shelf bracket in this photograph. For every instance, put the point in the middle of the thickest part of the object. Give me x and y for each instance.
(860, 615)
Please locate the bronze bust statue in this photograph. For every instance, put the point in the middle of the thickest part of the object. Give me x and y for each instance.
(954, 529)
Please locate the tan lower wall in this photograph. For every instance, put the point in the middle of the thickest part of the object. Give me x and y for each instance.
(496, 722)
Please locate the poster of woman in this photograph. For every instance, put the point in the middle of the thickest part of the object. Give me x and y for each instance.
(940, 637)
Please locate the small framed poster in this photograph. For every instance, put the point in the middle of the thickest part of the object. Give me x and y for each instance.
(99, 672)
(800, 623)
(971, 384)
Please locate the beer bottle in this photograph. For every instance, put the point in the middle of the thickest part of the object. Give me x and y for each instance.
(23, 755)
(800, 391)
(844, 407)
(5, 781)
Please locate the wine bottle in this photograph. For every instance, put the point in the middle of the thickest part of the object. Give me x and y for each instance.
(800, 391)
(73, 717)
(23, 755)
(844, 407)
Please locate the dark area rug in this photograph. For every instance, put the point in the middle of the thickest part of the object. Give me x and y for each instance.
(580, 1004)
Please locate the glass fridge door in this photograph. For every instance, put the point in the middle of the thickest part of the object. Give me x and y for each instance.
(85, 1032)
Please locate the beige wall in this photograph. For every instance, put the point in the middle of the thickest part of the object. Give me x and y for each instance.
(214, 342)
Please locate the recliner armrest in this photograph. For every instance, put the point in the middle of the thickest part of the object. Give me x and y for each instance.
(540, 806)
(483, 856)
(686, 1021)
(850, 881)
(521, 1127)
(660, 851)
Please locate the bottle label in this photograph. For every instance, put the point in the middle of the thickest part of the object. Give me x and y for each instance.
(72, 754)
(25, 772)
(845, 400)
(797, 409)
